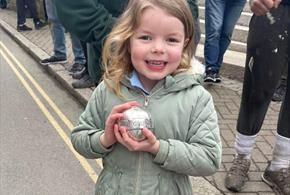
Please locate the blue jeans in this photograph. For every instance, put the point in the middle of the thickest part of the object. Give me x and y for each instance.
(58, 36)
(220, 19)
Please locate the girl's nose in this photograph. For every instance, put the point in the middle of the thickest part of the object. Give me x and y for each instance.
(158, 47)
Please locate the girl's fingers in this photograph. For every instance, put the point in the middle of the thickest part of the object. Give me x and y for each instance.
(149, 135)
(113, 118)
(124, 134)
(122, 107)
(117, 133)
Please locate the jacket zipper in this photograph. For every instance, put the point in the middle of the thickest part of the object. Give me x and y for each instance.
(147, 97)
(119, 179)
(140, 165)
(140, 161)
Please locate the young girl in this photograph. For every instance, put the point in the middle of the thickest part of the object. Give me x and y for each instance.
(147, 64)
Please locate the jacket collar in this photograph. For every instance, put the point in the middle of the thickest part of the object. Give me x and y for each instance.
(171, 83)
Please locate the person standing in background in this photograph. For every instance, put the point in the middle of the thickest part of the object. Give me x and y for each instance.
(268, 50)
(220, 19)
(59, 47)
(3, 4)
(21, 18)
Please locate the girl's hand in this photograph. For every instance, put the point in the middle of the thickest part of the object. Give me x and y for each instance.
(108, 138)
(150, 144)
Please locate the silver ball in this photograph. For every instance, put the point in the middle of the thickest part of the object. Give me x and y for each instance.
(134, 120)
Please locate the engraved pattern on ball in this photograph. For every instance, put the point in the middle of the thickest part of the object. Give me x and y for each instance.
(135, 119)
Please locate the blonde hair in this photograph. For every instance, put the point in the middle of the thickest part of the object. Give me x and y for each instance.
(116, 57)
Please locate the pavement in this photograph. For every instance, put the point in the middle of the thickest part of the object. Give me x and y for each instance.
(227, 97)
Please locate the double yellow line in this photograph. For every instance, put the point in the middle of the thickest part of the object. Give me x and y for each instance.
(13, 62)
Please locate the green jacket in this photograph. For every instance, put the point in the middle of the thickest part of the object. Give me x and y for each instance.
(91, 21)
(185, 122)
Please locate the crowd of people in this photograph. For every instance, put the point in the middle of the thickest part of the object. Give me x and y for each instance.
(134, 60)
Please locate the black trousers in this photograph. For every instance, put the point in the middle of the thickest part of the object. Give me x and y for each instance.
(268, 50)
(283, 81)
(21, 18)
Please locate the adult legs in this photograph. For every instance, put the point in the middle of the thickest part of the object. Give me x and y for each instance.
(57, 31)
(32, 7)
(94, 66)
(21, 19)
(231, 15)
(266, 56)
(79, 56)
(85, 77)
(58, 37)
(284, 115)
(267, 53)
(214, 16)
(281, 88)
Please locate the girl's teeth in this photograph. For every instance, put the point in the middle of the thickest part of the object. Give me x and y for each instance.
(156, 62)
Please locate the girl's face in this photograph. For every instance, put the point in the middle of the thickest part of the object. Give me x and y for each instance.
(156, 46)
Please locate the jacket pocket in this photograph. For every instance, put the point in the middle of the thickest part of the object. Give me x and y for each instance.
(167, 186)
(108, 183)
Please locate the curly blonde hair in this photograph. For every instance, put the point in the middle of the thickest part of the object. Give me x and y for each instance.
(116, 57)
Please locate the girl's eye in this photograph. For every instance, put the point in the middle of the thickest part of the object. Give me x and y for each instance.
(145, 37)
(172, 40)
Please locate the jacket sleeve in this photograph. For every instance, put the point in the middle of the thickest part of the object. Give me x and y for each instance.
(85, 137)
(200, 155)
(89, 20)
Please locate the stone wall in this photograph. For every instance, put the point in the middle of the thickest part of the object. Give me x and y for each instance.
(39, 4)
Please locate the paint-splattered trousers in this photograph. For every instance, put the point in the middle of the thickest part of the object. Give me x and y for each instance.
(268, 50)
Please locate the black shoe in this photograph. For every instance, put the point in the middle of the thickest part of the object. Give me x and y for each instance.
(76, 67)
(23, 27)
(212, 77)
(38, 25)
(84, 82)
(53, 60)
(79, 74)
(279, 94)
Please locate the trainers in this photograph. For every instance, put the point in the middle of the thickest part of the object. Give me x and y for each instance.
(76, 67)
(79, 74)
(279, 93)
(23, 27)
(38, 25)
(53, 60)
(212, 77)
(84, 82)
(238, 173)
(278, 180)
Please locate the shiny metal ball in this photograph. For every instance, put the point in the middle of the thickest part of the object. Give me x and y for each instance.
(134, 120)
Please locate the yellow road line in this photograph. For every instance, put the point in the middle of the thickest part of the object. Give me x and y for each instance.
(65, 120)
(52, 120)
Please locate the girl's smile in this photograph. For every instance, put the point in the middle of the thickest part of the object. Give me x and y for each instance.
(156, 65)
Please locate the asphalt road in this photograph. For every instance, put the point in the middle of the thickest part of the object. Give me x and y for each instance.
(36, 117)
